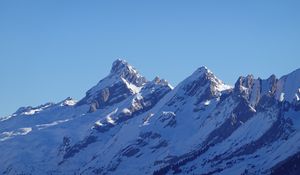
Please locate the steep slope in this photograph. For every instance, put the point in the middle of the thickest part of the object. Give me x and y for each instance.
(128, 125)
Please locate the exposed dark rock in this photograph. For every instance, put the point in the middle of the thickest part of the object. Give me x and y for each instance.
(65, 145)
(72, 150)
(130, 151)
(162, 143)
(169, 119)
(290, 166)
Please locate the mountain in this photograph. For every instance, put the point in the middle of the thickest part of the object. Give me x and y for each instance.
(128, 125)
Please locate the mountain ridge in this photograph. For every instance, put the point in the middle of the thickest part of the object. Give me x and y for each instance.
(127, 124)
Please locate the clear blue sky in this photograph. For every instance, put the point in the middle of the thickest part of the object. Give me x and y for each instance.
(53, 49)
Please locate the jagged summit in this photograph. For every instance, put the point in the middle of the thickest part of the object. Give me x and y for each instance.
(203, 82)
(122, 82)
(120, 65)
(207, 75)
(123, 69)
(286, 88)
(203, 70)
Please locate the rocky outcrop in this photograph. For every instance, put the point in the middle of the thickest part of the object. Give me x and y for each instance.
(122, 82)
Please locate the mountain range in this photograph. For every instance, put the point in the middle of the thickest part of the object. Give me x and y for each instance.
(127, 124)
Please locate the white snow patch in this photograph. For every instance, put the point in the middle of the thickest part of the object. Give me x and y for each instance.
(5, 118)
(281, 98)
(98, 123)
(10, 134)
(207, 102)
(168, 113)
(244, 88)
(131, 86)
(126, 111)
(252, 108)
(43, 126)
(147, 119)
(109, 118)
(36, 110)
(223, 87)
(69, 102)
(33, 111)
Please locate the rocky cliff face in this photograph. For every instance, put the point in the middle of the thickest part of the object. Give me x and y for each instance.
(122, 82)
(128, 125)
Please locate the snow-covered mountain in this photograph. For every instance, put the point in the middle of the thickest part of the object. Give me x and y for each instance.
(129, 125)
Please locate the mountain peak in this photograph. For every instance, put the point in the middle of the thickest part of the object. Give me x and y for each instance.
(123, 81)
(203, 70)
(205, 74)
(120, 67)
(203, 83)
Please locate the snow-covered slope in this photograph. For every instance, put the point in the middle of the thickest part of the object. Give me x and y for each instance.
(128, 125)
